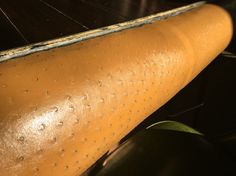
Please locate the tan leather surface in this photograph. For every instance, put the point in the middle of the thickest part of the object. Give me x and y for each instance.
(61, 109)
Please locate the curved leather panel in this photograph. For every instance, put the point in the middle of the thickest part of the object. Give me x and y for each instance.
(62, 109)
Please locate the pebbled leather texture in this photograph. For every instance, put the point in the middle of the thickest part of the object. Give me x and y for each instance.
(62, 109)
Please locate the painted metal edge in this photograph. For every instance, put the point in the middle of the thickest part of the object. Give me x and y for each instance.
(41, 46)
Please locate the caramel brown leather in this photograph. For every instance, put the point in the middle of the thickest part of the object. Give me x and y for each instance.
(62, 109)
